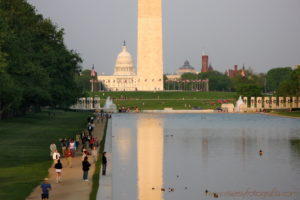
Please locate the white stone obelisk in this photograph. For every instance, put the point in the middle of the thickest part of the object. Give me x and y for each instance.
(150, 47)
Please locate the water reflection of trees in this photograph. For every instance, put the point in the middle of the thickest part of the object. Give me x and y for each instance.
(295, 145)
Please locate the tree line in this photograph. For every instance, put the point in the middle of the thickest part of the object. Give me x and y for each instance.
(283, 81)
(36, 68)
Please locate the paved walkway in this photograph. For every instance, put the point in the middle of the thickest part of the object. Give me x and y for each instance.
(72, 186)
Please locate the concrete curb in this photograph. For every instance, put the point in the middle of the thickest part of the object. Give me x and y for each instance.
(105, 182)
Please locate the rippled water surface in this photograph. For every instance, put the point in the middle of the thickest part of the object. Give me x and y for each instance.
(192, 153)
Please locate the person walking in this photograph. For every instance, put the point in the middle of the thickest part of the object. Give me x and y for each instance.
(85, 168)
(85, 153)
(72, 146)
(55, 156)
(52, 148)
(58, 169)
(94, 154)
(63, 144)
(77, 141)
(45, 187)
(104, 164)
(92, 142)
(69, 155)
(90, 128)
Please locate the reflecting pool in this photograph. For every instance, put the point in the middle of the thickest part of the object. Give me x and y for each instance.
(205, 156)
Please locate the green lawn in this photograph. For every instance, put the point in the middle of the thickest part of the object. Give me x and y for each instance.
(290, 114)
(160, 100)
(24, 149)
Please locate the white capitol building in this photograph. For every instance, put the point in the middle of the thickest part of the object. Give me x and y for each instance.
(124, 77)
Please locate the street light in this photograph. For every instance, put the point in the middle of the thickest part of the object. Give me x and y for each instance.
(93, 75)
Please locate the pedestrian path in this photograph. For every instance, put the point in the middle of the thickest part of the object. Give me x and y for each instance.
(72, 186)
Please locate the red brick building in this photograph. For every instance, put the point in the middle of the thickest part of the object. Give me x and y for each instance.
(234, 72)
(204, 63)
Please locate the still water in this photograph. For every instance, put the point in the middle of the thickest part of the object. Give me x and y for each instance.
(204, 156)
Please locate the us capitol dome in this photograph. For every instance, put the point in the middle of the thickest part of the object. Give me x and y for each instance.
(124, 76)
(124, 63)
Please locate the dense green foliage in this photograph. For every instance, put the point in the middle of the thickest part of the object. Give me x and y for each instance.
(24, 149)
(217, 81)
(249, 90)
(36, 68)
(83, 80)
(189, 76)
(291, 86)
(276, 76)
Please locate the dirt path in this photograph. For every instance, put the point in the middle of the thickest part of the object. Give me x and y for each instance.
(72, 186)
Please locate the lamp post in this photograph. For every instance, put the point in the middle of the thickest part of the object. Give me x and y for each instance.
(93, 75)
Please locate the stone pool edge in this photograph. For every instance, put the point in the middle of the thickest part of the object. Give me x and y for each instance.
(105, 182)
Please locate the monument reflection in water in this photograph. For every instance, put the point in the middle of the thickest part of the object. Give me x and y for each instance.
(196, 152)
(150, 158)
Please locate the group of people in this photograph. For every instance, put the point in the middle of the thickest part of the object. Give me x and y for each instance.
(70, 147)
(124, 109)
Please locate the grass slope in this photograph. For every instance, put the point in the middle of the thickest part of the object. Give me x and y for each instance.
(96, 176)
(24, 149)
(160, 100)
(289, 114)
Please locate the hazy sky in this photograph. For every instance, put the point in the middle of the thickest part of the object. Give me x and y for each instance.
(262, 34)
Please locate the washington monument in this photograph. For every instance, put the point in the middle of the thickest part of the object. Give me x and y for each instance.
(150, 48)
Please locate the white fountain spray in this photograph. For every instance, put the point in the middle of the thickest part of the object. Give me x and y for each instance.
(238, 104)
(109, 106)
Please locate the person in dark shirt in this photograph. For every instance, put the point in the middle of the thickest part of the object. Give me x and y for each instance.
(85, 168)
(45, 186)
(58, 168)
(104, 163)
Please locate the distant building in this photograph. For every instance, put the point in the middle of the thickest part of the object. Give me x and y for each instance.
(174, 81)
(204, 63)
(124, 77)
(173, 77)
(235, 72)
(210, 68)
(297, 66)
(186, 68)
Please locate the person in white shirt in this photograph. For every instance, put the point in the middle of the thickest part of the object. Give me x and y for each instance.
(52, 148)
(55, 156)
(72, 146)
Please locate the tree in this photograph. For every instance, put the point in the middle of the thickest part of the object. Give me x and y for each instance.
(189, 76)
(290, 86)
(83, 80)
(217, 80)
(35, 64)
(249, 90)
(276, 76)
(10, 96)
